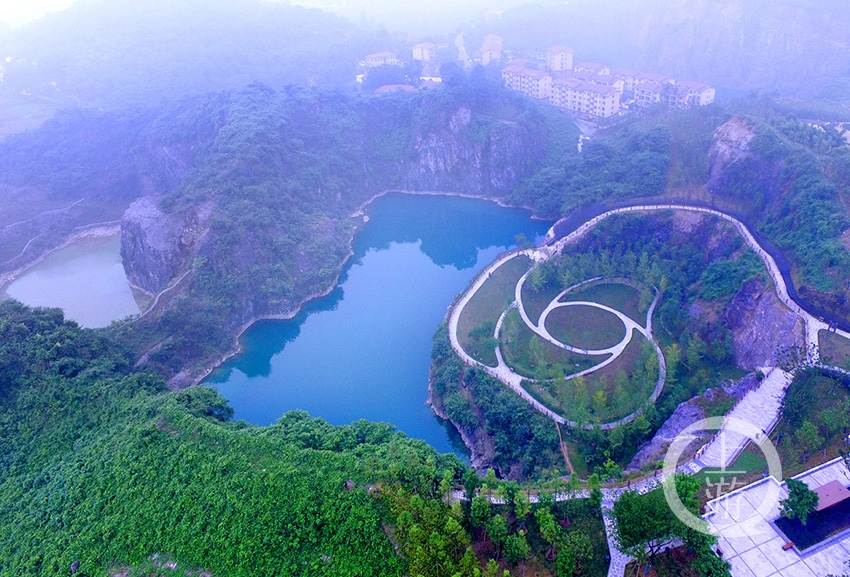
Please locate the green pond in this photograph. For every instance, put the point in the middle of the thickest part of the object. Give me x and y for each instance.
(86, 279)
(363, 351)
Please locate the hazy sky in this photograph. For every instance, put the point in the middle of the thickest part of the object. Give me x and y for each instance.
(19, 12)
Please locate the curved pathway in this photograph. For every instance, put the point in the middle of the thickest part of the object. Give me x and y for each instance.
(513, 380)
(813, 324)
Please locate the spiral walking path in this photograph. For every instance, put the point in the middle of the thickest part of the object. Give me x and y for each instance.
(813, 325)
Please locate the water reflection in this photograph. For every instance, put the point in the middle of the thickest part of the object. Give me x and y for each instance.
(363, 351)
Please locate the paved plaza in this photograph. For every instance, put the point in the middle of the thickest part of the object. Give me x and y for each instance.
(754, 546)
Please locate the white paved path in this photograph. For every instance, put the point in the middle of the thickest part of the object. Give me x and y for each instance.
(759, 407)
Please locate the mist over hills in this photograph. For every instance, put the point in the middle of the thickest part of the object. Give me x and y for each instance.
(110, 53)
(797, 48)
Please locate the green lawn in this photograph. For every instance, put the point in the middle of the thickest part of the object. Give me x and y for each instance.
(834, 349)
(618, 296)
(535, 358)
(820, 405)
(605, 395)
(585, 327)
(479, 316)
(535, 302)
(747, 468)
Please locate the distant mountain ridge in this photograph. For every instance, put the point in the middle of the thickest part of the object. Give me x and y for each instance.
(797, 48)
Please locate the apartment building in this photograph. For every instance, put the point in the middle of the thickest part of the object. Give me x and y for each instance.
(629, 77)
(426, 51)
(610, 80)
(648, 92)
(585, 98)
(380, 59)
(698, 94)
(534, 83)
(595, 67)
(559, 58)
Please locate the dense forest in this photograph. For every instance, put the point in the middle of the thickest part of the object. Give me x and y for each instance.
(111, 53)
(100, 465)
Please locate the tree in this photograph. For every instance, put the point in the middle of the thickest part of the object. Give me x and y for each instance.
(807, 438)
(579, 546)
(595, 492)
(800, 503)
(644, 524)
(516, 548)
(834, 419)
(522, 506)
(493, 570)
(497, 530)
(479, 512)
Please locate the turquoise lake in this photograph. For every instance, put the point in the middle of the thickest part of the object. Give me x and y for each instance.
(363, 351)
(85, 279)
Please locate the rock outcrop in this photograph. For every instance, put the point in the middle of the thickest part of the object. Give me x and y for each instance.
(686, 414)
(729, 146)
(462, 157)
(761, 326)
(156, 246)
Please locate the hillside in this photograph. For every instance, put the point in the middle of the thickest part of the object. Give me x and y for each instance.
(797, 48)
(102, 467)
(113, 53)
(245, 196)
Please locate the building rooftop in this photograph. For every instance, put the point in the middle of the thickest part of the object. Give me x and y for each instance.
(655, 77)
(693, 85)
(426, 45)
(595, 66)
(560, 50)
(651, 86)
(831, 494)
(753, 545)
(522, 70)
(626, 72)
(571, 82)
(387, 88)
(380, 55)
(597, 88)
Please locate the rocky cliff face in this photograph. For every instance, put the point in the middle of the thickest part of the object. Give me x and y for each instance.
(156, 246)
(761, 326)
(730, 145)
(685, 415)
(460, 158)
